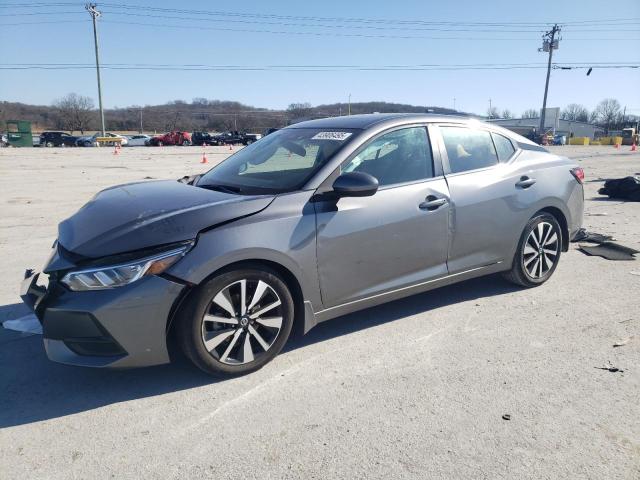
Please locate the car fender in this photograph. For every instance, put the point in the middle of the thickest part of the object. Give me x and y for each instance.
(284, 233)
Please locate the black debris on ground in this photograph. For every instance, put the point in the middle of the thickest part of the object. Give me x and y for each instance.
(610, 251)
(627, 188)
(585, 236)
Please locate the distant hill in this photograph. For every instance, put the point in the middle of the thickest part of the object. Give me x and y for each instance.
(380, 107)
(200, 114)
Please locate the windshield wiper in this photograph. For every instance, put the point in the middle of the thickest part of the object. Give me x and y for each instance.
(222, 188)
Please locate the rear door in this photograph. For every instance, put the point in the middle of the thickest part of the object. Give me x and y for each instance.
(486, 202)
(395, 238)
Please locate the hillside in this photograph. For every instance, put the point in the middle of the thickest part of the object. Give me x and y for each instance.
(200, 114)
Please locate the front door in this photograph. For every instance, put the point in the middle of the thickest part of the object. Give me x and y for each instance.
(395, 238)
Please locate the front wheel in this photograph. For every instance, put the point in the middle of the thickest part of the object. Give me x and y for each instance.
(538, 252)
(237, 322)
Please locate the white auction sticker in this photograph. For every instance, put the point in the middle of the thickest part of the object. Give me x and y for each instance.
(340, 136)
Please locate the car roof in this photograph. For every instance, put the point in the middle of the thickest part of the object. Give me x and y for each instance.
(365, 121)
(390, 120)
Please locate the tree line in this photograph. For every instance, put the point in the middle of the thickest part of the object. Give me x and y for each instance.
(608, 114)
(77, 113)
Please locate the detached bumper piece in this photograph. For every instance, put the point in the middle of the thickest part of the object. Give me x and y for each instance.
(30, 292)
(119, 327)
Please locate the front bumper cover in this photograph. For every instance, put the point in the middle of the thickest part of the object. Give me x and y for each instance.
(120, 327)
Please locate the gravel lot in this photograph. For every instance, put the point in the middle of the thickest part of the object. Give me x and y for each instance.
(413, 389)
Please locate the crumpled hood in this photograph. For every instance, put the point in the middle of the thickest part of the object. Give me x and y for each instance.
(147, 214)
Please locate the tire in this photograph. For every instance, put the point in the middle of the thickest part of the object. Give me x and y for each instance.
(49, 144)
(186, 143)
(227, 344)
(533, 264)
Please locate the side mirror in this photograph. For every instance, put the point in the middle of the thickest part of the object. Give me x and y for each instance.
(355, 184)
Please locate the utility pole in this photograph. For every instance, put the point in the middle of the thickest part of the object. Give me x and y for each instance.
(549, 44)
(141, 130)
(92, 8)
(490, 110)
(454, 103)
(349, 104)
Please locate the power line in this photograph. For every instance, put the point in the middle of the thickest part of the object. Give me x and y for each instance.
(313, 67)
(501, 29)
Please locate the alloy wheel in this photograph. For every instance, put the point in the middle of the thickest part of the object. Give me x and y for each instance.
(540, 250)
(242, 322)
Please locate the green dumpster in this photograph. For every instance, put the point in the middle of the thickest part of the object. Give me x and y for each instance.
(19, 133)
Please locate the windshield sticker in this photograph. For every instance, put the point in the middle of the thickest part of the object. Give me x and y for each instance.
(339, 136)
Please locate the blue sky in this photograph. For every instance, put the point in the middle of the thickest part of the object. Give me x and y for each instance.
(200, 40)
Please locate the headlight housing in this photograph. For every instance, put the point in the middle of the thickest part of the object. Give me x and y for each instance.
(102, 278)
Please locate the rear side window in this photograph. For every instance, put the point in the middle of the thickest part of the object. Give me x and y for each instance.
(504, 147)
(396, 157)
(468, 149)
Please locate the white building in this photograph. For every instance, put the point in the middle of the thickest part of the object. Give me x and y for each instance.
(570, 128)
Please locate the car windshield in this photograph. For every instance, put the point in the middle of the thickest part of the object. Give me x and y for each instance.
(282, 162)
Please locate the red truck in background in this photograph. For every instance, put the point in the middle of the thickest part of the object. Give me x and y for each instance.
(171, 138)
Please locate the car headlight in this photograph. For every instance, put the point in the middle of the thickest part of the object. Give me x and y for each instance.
(101, 278)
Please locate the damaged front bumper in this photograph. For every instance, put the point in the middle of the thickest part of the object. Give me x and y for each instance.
(119, 327)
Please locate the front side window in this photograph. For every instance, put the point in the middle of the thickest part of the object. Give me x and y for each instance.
(503, 146)
(281, 162)
(468, 148)
(395, 157)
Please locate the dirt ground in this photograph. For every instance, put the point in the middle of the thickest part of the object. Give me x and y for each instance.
(416, 388)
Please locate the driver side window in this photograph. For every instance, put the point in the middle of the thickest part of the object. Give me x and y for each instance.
(396, 157)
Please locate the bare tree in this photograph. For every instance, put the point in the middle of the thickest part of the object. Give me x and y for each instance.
(75, 112)
(506, 113)
(607, 112)
(530, 113)
(575, 112)
(299, 110)
(493, 112)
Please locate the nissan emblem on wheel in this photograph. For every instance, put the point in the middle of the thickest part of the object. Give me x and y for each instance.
(309, 223)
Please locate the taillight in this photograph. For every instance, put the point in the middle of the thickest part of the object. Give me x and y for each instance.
(578, 174)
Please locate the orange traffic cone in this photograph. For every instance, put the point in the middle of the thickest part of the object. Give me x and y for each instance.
(115, 150)
(204, 158)
(633, 147)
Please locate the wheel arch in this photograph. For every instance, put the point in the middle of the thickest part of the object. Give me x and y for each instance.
(304, 318)
(562, 220)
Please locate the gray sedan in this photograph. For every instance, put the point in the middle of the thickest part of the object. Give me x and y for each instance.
(314, 221)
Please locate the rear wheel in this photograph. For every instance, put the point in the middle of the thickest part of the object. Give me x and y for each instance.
(237, 322)
(538, 252)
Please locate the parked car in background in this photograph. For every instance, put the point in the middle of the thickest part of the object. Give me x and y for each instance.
(171, 138)
(252, 137)
(201, 138)
(140, 140)
(317, 220)
(57, 139)
(91, 140)
(236, 138)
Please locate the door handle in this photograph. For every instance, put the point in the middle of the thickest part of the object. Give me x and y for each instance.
(432, 203)
(525, 182)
